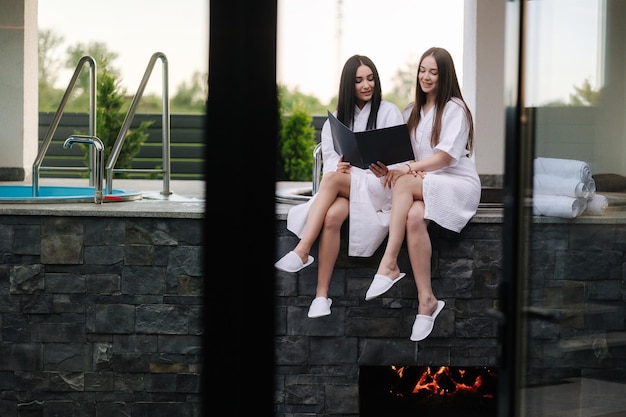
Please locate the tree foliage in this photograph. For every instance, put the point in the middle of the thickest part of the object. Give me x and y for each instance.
(190, 97)
(403, 86)
(109, 120)
(48, 69)
(296, 142)
(294, 99)
(585, 95)
(280, 162)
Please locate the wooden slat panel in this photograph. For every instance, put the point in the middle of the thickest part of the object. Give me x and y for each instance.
(186, 144)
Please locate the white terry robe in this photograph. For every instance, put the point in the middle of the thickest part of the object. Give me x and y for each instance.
(370, 203)
(452, 193)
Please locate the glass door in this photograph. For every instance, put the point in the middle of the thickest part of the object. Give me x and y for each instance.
(563, 339)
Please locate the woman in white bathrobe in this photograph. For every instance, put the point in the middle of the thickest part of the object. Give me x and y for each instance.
(344, 189)
(442, 185)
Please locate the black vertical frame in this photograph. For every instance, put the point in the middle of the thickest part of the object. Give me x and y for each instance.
(517, 214)
(241, 131)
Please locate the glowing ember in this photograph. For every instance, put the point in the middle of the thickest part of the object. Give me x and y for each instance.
(444, 381)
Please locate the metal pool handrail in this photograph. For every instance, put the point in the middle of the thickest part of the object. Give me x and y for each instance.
(119, 142)
(317, 167)
(57, 117)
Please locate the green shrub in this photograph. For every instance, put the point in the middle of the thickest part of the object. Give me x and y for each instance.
(110, 117)
(280, 163)
(296, 143)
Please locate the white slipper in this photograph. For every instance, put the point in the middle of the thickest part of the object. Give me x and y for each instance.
(380, 285)
(423, 324)
(292, 262)
(320, 307)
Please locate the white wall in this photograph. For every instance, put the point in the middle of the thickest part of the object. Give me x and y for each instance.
(18, 84)
(483, 80)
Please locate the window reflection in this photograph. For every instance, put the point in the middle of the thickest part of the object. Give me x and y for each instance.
(575, 99)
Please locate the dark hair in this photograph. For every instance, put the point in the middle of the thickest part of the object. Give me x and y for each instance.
(346, 98)
(447, 89)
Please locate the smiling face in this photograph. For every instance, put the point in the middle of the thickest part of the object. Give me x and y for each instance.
(429, 76)
(363, 85)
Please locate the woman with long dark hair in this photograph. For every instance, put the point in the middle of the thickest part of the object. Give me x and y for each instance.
(441, 185)
(344, 189)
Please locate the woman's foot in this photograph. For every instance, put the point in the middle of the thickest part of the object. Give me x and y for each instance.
(389, 272)
(428, 306)
(424, 324)
(292, 262)
(320, 307)
(381, 284)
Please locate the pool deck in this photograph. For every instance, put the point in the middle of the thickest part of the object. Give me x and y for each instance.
(185, 201)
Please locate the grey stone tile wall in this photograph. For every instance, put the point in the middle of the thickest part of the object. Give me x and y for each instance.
(318, 360)
(100, 316)
(575, 297)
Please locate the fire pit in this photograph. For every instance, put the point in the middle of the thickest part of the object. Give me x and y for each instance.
(427, 391)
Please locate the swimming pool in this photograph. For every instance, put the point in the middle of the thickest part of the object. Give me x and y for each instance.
(62, 194)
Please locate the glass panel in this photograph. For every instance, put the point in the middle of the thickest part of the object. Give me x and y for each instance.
(575, 101)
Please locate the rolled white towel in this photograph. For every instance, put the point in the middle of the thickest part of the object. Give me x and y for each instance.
(558, 206)
(591, 185)
(568, 168)
(547, 184)
(597, 205)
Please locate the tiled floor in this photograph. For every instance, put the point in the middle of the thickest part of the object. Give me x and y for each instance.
(576, 397)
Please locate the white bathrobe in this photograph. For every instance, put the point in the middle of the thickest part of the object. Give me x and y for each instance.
(451, 194)
(370, 203)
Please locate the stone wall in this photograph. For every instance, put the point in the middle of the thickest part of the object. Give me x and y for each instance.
(575, 296)
(318, 360)
(100, 316)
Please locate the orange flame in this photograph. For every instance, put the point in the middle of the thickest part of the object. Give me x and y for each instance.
(442, 381)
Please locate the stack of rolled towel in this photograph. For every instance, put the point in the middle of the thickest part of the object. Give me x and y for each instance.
(565, 188)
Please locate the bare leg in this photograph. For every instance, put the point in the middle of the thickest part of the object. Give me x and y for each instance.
(330, 241)
(420, 252)
(406, 190)
(333, 185)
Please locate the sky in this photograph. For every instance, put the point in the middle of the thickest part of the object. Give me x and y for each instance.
(311, 51)
(393, 33)
(564, 48)
(135, 30)
(315, 37)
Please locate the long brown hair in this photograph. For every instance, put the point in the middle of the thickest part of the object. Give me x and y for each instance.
(448, 88)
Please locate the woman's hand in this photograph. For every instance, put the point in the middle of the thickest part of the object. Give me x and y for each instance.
(392, 176)
(343, 166)
(379, 169)
(387, 176)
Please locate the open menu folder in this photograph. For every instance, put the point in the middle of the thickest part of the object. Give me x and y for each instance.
(388, 145)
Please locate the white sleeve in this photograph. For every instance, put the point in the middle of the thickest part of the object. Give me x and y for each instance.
(454, 131)
(389, 115)
(330, 158)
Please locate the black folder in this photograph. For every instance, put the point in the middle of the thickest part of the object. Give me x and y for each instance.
(388, 145)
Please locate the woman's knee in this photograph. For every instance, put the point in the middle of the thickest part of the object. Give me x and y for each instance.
(408, 184)
(403, 184)
(415, 218)
(335, 182)
(337, 213)
(329, 178)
